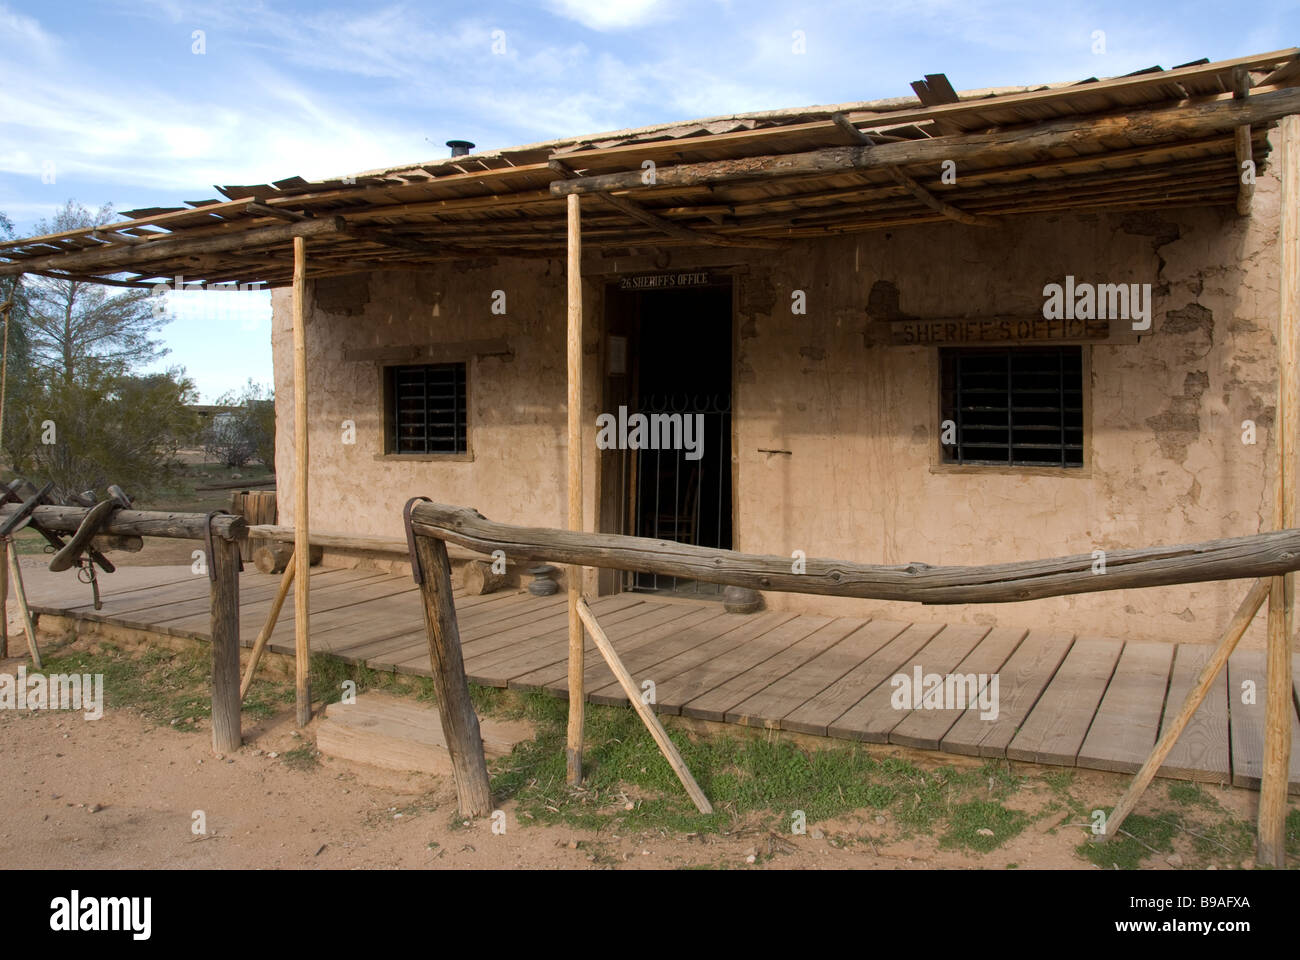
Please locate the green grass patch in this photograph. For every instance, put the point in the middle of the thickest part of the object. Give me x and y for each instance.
(982, 825)
(746, 779)
(304, 758)
(184, 496)
(168, 687)
(1139, 838)
(1190, 794)
(28, 541)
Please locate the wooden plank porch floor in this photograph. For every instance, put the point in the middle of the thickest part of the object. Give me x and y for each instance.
(1084, 701)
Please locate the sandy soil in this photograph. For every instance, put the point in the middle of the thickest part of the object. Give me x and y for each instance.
(122, 791)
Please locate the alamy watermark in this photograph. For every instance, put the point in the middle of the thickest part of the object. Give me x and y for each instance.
(949, 691)
(1098, 301)
(59, 691)
(657, 431)
(75, 913)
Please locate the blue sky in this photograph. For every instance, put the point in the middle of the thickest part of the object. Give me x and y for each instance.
(113, 98)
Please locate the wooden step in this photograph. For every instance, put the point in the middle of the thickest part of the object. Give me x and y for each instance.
(398, 734)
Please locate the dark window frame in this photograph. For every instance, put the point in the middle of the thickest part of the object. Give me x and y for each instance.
(448, 436)
(1027, 415)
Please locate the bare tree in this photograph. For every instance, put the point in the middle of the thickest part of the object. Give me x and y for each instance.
(74, 326)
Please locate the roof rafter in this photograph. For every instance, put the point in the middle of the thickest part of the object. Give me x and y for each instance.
(637, 212)
(918, 191)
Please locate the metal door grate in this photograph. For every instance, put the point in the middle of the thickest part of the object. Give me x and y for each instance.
(686, 501)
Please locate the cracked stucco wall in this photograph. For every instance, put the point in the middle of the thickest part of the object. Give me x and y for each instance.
(1166, 458)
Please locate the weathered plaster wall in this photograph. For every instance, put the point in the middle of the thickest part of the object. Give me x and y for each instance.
(1167, 463)
(1167, 459)
(516, 417)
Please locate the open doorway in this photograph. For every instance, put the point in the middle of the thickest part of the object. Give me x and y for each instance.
(673, 348)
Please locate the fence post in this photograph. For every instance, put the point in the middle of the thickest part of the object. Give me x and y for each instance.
(226, 735)
(4, 597)
(459, 721)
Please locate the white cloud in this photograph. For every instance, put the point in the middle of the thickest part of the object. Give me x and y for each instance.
(611, 14)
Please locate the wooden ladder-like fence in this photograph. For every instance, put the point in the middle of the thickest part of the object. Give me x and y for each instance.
(222, 535)
(431, 526)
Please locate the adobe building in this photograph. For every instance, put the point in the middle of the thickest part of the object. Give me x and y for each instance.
(884, 315)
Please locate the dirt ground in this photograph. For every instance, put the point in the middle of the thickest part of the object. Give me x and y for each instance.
(123, 791)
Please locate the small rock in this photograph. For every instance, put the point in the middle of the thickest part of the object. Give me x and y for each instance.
(750, 859)
(573, 844)
(1174, 860)
(272, 755)
(818, 833)
(984, 832)
(645, 853)
(221, 756)
(629, 805)
(880, 818)
(95, 808)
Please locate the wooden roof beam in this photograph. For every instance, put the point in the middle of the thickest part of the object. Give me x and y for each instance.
(280, 213)
(1185, 121)
(914, 188)
(639, 213)
(121, 259)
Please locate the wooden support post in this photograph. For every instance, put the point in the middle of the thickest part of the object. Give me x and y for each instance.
(1236, 627)
(647, 715)
(226, 735)
(20, 592)
(1271, 848)
(573, 754)
(4, 597)
(6, 309)
(459, 721)
(301, 531)
(1245, 155)
(1244, 149)
(259, 645)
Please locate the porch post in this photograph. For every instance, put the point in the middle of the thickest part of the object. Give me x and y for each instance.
(6, 309)
(224, 603)
(301, 532)
(1271, 848)
(574, 574)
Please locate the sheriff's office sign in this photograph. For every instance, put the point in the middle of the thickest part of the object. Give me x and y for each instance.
(913, 333)
(666, 281)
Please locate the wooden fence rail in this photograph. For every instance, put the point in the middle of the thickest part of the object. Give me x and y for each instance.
(227, 532)
(1257, 555)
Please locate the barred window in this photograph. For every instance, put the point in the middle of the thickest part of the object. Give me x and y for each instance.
(425, 409)
(1020, 407)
